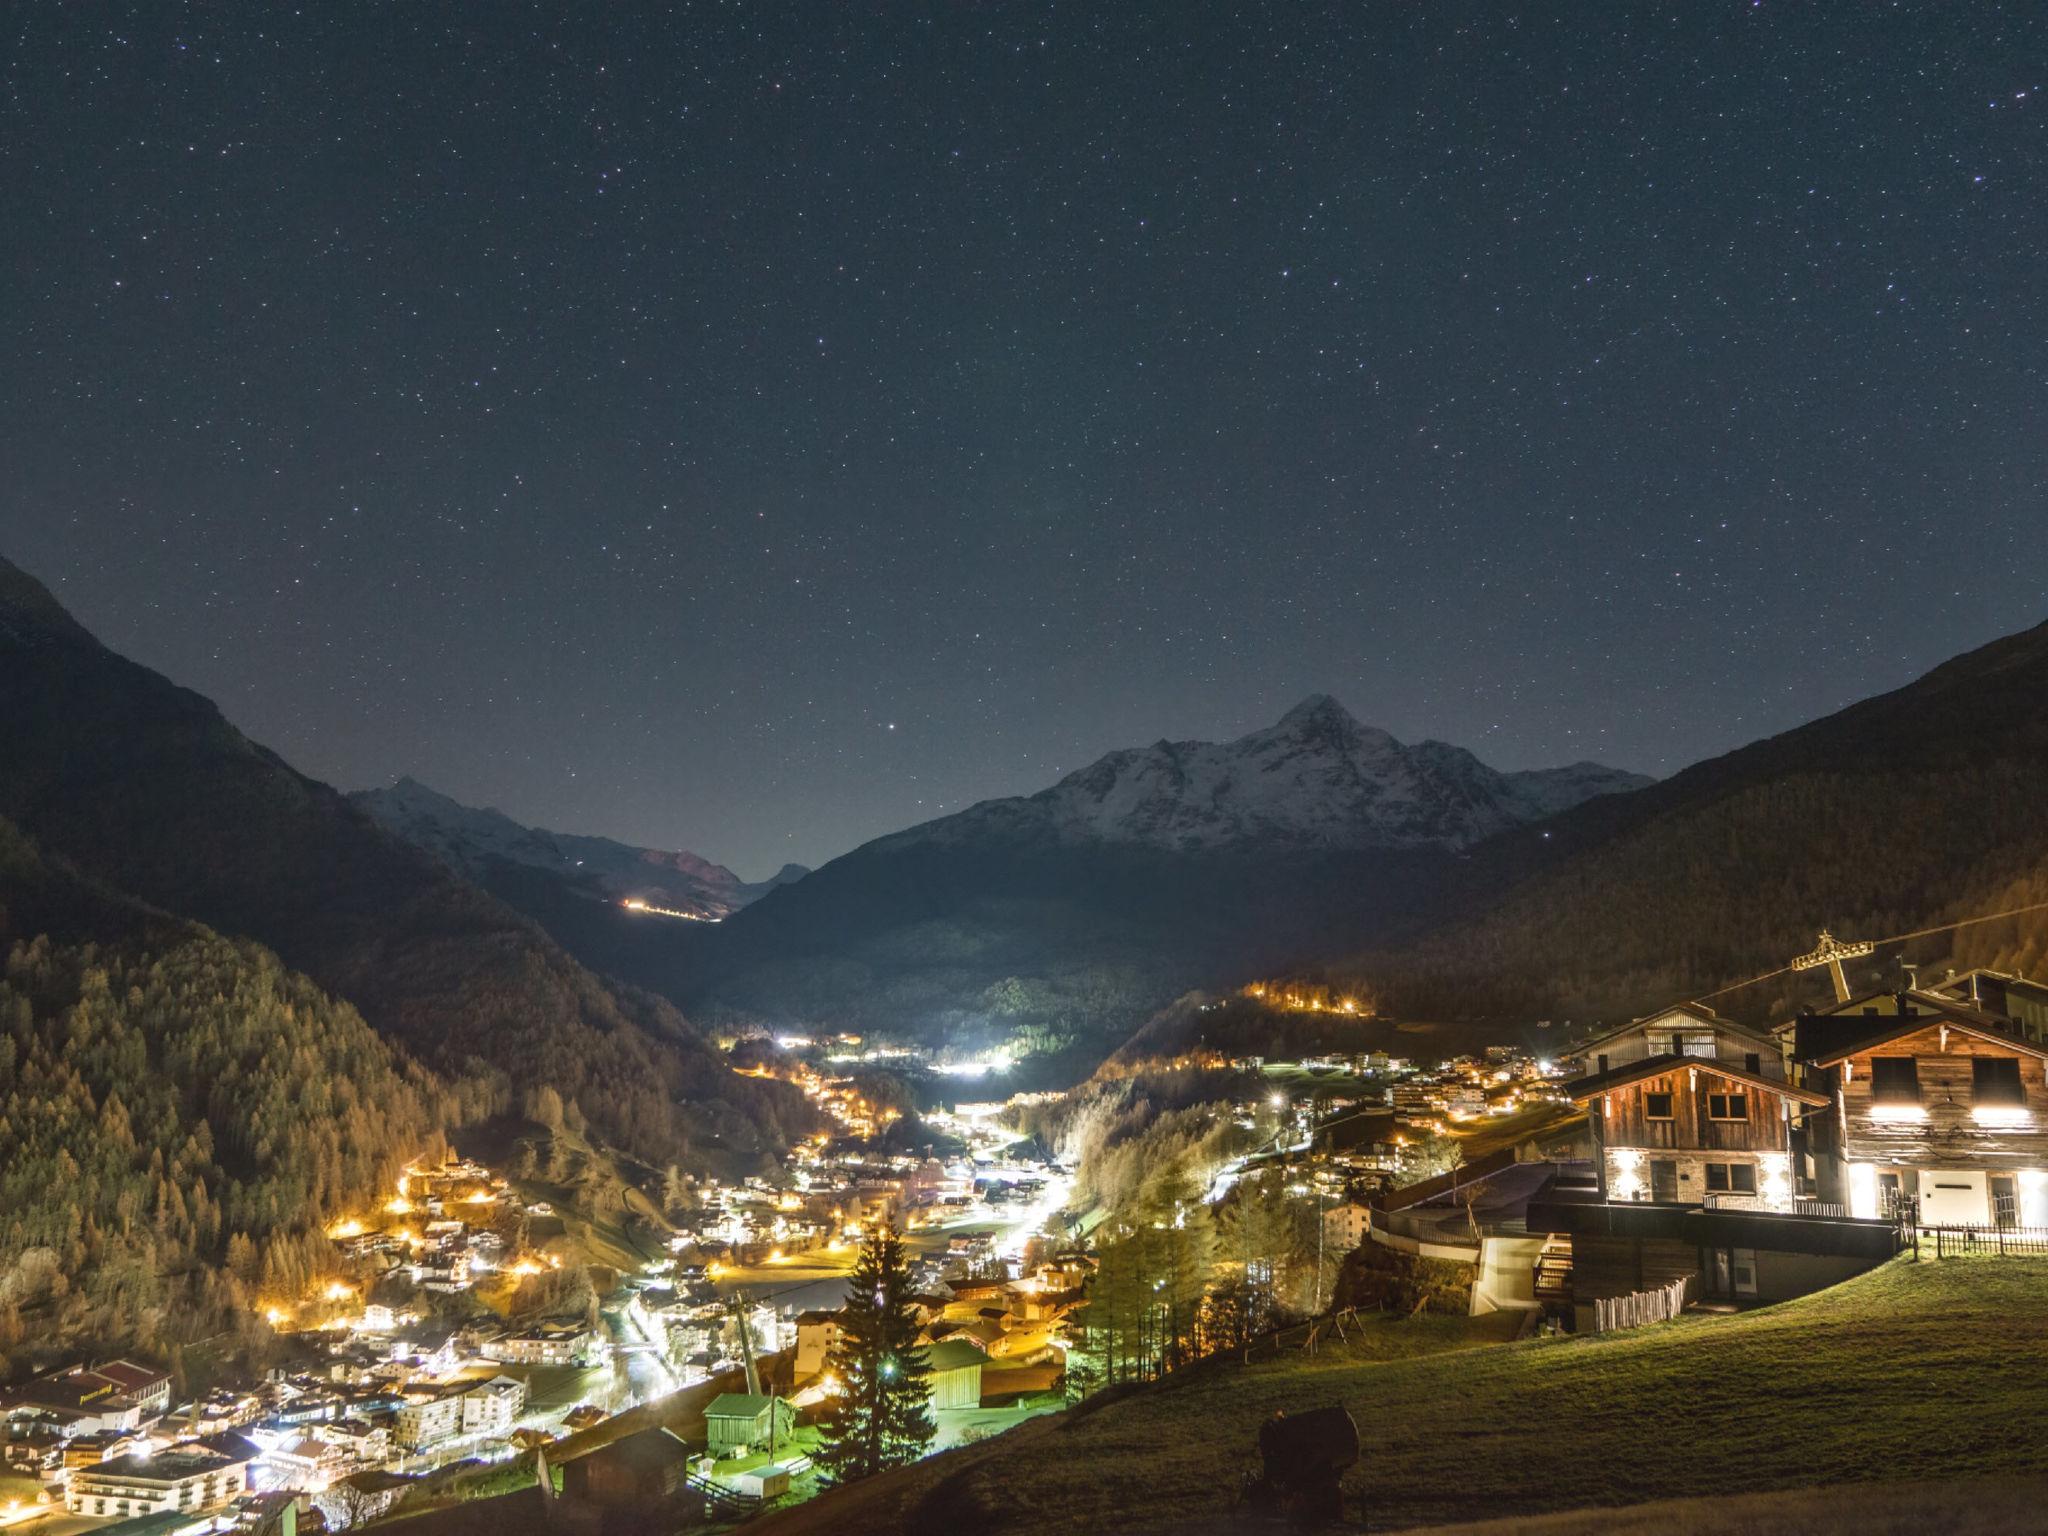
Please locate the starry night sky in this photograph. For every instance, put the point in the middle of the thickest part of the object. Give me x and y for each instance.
(755, 428)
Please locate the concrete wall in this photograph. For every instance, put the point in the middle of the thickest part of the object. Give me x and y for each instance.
(1506, 1277)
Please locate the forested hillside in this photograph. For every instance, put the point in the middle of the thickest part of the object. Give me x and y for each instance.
(179, 1117)
(1915, 808)
(144, 786)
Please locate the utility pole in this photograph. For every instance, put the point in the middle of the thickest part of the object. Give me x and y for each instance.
(738, 1305)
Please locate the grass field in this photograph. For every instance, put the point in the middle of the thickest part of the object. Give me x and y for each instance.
(1914, 1372)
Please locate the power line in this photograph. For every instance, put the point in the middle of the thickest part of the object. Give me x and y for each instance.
(1897, 938)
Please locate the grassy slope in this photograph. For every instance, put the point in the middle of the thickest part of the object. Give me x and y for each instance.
(1895, 1375)
(1985, 1507)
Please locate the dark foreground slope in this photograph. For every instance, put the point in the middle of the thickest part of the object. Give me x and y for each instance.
(146, 788)
(1886, 1377)
(1913, 808)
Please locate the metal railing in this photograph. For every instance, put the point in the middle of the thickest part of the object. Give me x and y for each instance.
(1992, 1241)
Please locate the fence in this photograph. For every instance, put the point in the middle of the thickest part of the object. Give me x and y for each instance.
(1657, 1306)
(1996, 1242)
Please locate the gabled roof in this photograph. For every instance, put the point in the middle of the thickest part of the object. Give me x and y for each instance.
(953, 1354)
(1929, 1013)
(1699, 1013)
(1585, 1089)
(738, 1405)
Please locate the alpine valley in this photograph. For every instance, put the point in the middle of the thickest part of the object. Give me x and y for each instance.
(1048, 925)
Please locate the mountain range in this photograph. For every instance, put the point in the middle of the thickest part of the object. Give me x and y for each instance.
(142, 788)
(1315, 780)
(1057, 921)
(484, 843)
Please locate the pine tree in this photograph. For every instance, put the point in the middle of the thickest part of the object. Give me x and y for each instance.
(881, 1417)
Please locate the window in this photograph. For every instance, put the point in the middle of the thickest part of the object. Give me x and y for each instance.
(1727, 1106)
(1657, 1106)
(1731, 1178)
(1894, 1080)
(1995, 1082)
(1753, 1063)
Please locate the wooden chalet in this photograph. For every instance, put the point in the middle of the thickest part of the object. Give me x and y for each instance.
(1937, 1111)
(1693, 1120)
(1687, 1108)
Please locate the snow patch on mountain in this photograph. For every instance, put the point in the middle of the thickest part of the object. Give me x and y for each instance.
(1316, 779)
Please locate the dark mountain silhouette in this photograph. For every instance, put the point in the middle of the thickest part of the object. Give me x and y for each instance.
(1913, 808)
(145, 788)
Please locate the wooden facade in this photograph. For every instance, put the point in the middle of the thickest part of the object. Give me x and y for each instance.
(1689, 1090)
(1694, 1130)
(1942, 1138)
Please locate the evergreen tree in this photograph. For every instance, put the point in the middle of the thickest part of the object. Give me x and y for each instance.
(881, 1417)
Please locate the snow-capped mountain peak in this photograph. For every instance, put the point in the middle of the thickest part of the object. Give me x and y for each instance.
(1317, 778)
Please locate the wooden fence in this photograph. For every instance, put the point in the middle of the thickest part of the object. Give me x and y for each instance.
(1632, 1311)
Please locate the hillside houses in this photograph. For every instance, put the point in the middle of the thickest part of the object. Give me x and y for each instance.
(1934, 1112)
(1754, 1166)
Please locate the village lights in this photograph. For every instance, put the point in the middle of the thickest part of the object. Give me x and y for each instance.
(337, 1291)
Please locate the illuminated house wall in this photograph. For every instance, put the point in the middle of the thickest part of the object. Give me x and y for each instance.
(1629, 1177)
(1950, 1140)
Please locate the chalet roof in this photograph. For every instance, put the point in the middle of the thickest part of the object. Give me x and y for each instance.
(1826, 1039)
(1699, 1013)
(1872, 1005)
(817, 1315)
(1585, 1089)
(953, 1355)
(655, 1448)
(738, 1405)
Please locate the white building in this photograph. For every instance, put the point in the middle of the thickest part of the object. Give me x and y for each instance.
(185, 1480)
(493, 1407)
(425, 1423)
